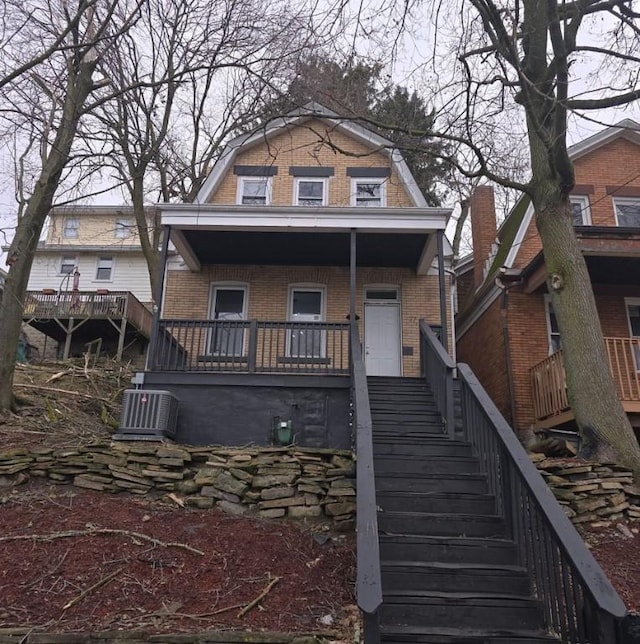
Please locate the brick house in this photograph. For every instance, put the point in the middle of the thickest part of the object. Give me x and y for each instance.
(506, 329)
(301, 227)
(89, 283)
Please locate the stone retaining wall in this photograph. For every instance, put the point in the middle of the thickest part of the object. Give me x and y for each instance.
(594, 493)
(269, 482)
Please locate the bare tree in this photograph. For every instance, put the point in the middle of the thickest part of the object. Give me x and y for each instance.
(56, 105)
(520, 58)
(186, 76)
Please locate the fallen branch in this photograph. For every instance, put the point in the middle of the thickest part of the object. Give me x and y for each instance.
(93, 531)
(98, 584)
(259, 598)
(63, 391)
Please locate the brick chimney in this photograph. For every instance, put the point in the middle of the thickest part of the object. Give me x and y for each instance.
(482, 211)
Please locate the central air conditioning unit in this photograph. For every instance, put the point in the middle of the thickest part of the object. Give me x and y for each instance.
(148, 414)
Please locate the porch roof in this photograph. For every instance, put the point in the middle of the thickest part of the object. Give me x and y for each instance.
(290, 235)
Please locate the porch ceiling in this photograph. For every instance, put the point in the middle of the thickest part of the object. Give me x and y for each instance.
(313, 248)
(624, 271)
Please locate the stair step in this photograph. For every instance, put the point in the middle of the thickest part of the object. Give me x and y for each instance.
(384, 464)
(436, 502)
(409, 576)
(428, 446)
(464, 550)
(441, 524)
(453, 484)
(436, 610)
(410, 635)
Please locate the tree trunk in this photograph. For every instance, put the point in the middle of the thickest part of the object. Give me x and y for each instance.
(603, 424)
(25, 242)
(148, 235)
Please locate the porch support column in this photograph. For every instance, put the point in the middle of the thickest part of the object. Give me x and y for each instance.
(157, 297)
(443, 293)
(352, 278)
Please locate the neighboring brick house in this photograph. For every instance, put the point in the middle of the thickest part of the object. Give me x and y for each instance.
(299, 225)
(506, 329)
(89, 283)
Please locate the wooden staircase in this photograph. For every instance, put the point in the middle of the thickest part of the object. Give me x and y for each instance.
(449, 569)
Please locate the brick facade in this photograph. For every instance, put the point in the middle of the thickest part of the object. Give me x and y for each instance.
(612, 169)
(188, 295)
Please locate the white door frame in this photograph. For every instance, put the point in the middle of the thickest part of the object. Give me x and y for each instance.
(384, 303)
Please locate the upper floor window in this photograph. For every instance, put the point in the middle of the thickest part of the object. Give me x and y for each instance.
(104, 269)
(368, 192)
(627, 211)
(124, 228)
(580, 210)
(310, 192)
(254, 191)
(70, 227)
(67, 264)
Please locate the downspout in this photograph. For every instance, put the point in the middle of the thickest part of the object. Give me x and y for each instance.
(442, 292)
(504, 285)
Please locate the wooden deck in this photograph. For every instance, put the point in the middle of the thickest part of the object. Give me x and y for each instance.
(63, 314)
(548, 382)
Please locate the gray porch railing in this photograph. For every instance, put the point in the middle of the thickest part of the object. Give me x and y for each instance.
(580, 603)
(368, 581)
(251, 346)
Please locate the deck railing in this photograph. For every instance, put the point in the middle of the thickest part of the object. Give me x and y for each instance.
(579, 603)
(549, 384)
(252, 346)
(368, 581)
(88, 304)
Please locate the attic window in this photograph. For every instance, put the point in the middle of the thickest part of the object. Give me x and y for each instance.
(254, 191)
(70, 227)
(368, 193)
(310, 192)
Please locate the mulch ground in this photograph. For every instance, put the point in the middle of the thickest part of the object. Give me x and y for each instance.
(73, 560)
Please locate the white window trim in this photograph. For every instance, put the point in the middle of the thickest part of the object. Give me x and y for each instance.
(214, 288)
(382, 182)
(316, 288)
(321, 288)
(547, 304)
(622, 201)
(75, 229)
(381, 287)
(583, 200)
(123, 230)
(268, 191)
(75, 264)
(325, 190)
(113, 269)
(228, 286)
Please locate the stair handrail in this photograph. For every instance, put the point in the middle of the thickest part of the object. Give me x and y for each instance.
(438, 368)
(580, 603)
(368, 575)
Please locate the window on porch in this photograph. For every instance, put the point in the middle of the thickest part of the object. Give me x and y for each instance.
(228, 304)
(306, 305)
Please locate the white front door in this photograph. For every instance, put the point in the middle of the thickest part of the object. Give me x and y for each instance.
(382, 339)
